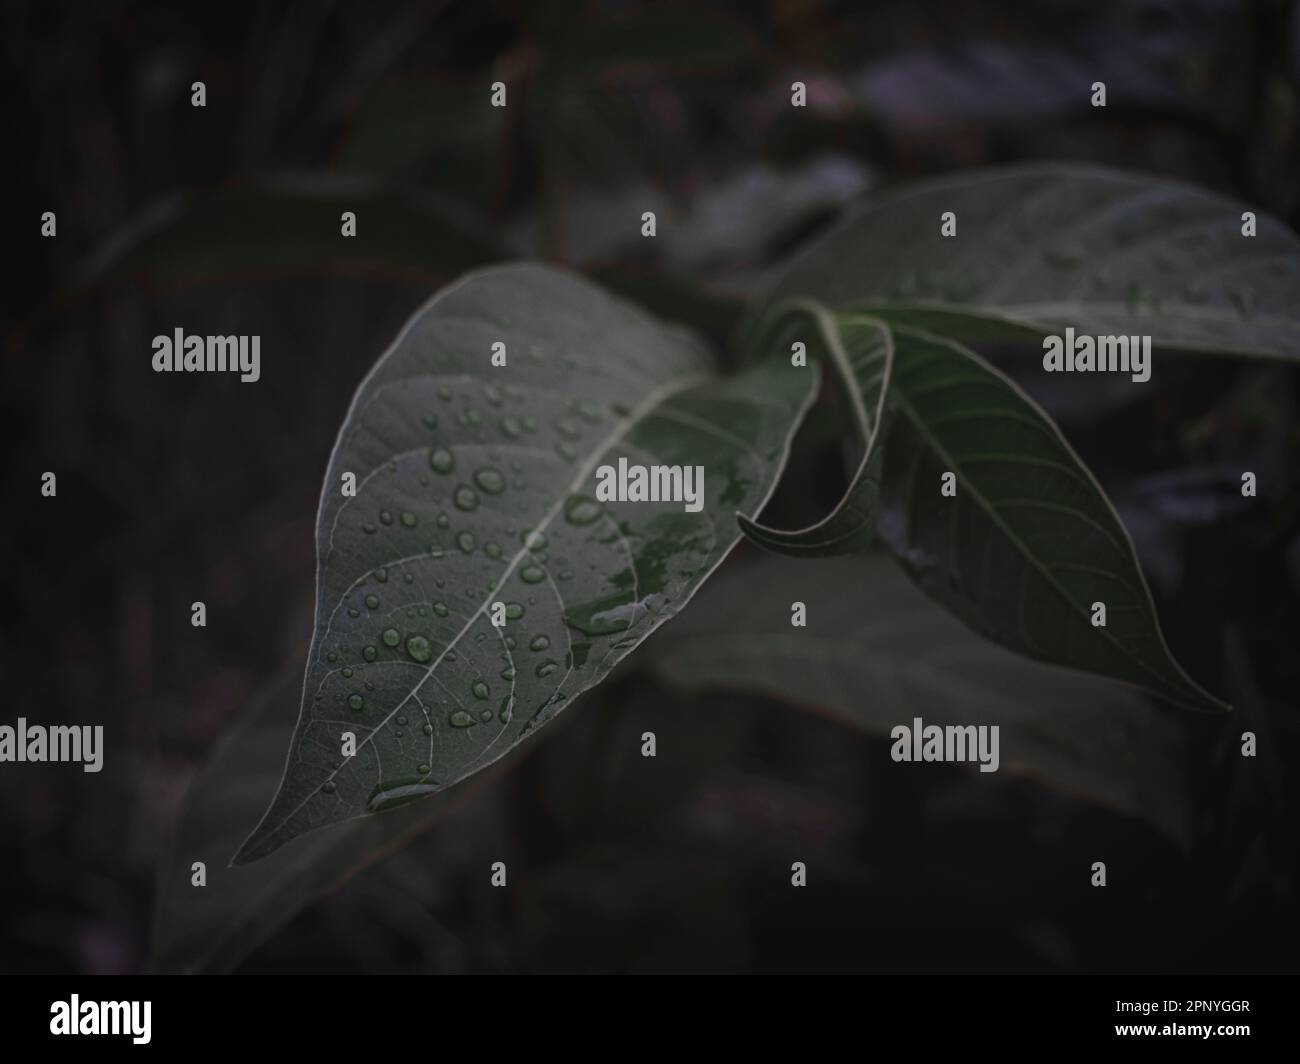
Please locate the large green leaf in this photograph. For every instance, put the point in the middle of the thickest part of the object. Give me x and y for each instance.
(880, 658)
(474, 486)
(1030, 542)
(1049, 245)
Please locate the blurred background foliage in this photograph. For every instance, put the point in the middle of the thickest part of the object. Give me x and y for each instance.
(225, 219)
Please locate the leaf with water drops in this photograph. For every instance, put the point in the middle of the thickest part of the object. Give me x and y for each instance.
(476, 503)
(1041, 247)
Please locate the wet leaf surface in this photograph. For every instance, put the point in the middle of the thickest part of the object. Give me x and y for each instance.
(475, 503)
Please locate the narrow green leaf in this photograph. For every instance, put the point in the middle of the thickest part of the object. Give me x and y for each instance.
(293, 224)
(1030, 542)
(861, 350)
(882, 658)
(475, 485)
(1044, 246)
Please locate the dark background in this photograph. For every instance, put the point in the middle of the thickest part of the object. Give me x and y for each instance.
(173, 489)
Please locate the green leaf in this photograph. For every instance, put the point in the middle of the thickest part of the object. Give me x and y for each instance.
(1030, 542)
(475, 486)
(861, 349)
(1047, 245)
(214, 927)
(292, 224)
(881, 658)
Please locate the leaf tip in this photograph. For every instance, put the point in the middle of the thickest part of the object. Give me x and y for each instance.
(254, 848)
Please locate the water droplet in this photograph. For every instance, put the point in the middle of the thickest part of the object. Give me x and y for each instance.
(470, 417)
(534, 540)
(353, 612)
(465, 498)
(331, 657)
(370, 653)
(368, 528)
(391, 637)
(547, 667)
(429, 421)
(492, 550)
(401, 720)
(423, 770)
(532, 574)
(460, 719)
(444, 393)
(589, 410)
(347, 672)
(507, 710)
(440, 608)
(435, 552)
(356, 702)
(611, 614)
(388, 795)
(465, 541)
(480, 690)
(428, 729)
(408, 519)
(381, 575)
(385, 517)
(329, 786)
(511, 428)
(372, 602)
(444, 521)
(418, 647)
(485, 716)
(507, 673)
(492, 394)
(540, 642)
(441, 461)
(580, 510)
(514, 611)
(490, 480)
(567, 451)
